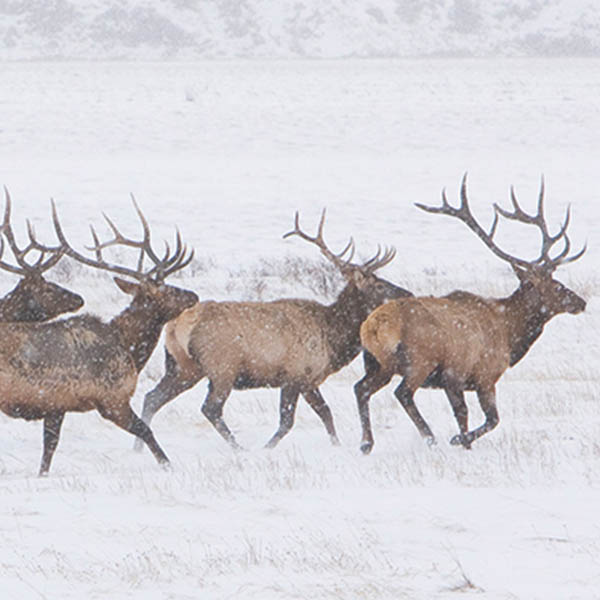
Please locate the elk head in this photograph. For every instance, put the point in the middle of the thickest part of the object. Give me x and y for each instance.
(538, 292)
(33, 298)
(373, 290)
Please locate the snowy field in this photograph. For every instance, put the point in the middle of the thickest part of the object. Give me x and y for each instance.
(227, 151)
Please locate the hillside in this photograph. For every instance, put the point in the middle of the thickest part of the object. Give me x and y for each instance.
(193, 29)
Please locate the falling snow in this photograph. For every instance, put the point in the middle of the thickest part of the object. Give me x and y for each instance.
(515, 517)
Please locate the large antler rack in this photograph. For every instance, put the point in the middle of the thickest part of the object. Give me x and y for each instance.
(340, 260)
(544, 261)
(48, 256)
(162, 266)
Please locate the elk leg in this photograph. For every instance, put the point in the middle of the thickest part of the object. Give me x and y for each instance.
(374, 380)
(52, 424)
(213, 411)
(288, 401)
(124, 417)
(169, 387)
(405, 394)
(317, 403)
(487, 401)
(456, 397)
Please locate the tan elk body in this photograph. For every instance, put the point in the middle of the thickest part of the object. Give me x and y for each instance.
(47, 367)
(290, 344)
(463, 341)
(291, 335)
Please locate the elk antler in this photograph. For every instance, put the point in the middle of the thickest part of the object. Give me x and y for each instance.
(539, 220)
(544, 261)
(377, 261)
(336, 259)
(343, 264)
(162, 267)
(48, 255)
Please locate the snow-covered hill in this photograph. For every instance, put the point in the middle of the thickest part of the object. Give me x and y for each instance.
(190, 29)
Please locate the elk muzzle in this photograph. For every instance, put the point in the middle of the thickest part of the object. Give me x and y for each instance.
(574, 304)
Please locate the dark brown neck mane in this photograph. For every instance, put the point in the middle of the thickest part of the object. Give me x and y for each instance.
(140, 326)
(525, 320)
(344, 318)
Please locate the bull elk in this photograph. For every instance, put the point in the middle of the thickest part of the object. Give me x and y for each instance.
(463, 341)
(33, 298)
(81, 363)
(290, 344)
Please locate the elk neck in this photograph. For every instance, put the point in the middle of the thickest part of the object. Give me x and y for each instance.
(525, 320)
(343, 321)
(140, 325)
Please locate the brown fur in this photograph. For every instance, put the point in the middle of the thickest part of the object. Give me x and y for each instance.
(289, 344)
(49, 366)
(291, 335)
(463, 341)
(459, 342)
(82, 364)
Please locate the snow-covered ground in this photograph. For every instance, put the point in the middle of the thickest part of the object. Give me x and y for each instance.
(227, 151)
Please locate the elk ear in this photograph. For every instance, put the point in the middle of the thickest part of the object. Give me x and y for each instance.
(127, 286)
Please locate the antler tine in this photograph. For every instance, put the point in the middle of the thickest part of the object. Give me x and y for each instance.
(562, 257)
(56, 252)
(466, 216)
(146, 228)
(163, 266)
(6, 266)
(539, 220)
(169, 259)
(97, 245)
(349, 246)
(6, 221)
(99, 263)
(41, 264)
(318, 240)
(173, 262)
(377, 261)
(373, 258)
(388, 257)
(573, 258)
(6, 229)
(181, 262)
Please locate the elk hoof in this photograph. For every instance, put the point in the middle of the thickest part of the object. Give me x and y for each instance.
(335, 441)
(366, 447)
(430, 441)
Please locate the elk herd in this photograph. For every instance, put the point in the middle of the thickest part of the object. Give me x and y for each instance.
(459, 342)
